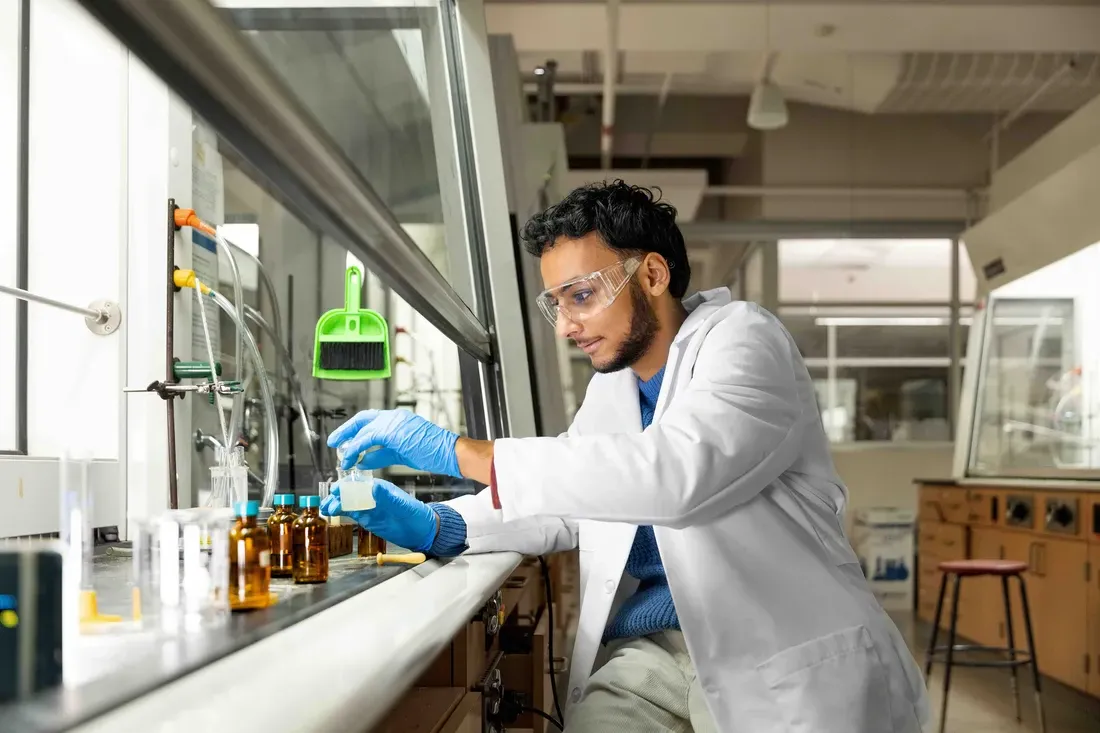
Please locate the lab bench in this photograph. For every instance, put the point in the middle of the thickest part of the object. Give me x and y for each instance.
(392, 648)
(1055, 529)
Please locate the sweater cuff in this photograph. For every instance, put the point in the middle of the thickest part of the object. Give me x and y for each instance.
(451, 538)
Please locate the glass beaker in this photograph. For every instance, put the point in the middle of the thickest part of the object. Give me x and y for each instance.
(193, 555)
(356, 486)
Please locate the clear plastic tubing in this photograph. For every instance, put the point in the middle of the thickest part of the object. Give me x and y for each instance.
(271, 425)
(236, 414)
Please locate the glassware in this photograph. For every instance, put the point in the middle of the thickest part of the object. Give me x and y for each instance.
(370, 544)
(191, 550)
(249, 560)
(281, 528)
(310, 542)
(228, 479)
(356, 486)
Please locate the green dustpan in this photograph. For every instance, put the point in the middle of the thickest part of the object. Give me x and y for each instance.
(352, 343)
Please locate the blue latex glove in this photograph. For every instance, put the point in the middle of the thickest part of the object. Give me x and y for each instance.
(397, 517)
(401, 438)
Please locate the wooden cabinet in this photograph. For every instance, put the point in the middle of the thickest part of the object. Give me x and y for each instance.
(1062, 580)
(1094, 619)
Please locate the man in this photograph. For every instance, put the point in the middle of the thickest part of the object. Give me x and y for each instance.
(719, 591)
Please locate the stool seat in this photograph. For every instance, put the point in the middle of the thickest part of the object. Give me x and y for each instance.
(983, 567)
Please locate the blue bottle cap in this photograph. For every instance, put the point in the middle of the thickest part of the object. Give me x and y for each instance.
(309, 502)
(246, 508)
(284, 500)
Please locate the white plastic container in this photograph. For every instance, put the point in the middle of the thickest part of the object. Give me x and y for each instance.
(883, 541)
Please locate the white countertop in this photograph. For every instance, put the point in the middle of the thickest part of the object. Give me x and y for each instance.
(342, 668)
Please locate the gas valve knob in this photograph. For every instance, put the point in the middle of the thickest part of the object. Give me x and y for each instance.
(492, 614)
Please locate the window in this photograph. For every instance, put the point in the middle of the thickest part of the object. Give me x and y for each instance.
(872, 318)
(10, 143)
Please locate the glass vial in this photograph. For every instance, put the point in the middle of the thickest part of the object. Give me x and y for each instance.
(370, 544)
(280, 525)
(249, 559)
(310, 542)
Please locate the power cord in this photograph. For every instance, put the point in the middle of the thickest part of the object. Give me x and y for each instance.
(513, 704)
(550, 641)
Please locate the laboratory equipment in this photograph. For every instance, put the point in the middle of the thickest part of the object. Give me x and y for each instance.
(191, 551)
(31, 613)
(353, 342)
(281, 528)
(249, 560)
(356, 485)
(370, 544)
(228, 479)
(310, 542)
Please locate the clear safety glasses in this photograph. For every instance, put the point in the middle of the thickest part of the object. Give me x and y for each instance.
(589, 295)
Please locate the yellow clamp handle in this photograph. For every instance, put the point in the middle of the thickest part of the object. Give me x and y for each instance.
(186, 279)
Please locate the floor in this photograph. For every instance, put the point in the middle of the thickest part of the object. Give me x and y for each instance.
(981, 699)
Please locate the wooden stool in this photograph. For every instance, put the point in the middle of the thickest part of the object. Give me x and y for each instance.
(1004, 569)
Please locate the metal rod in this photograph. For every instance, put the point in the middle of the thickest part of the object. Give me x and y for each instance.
(213, 68)
(954, 343)
(841, 192)
(99, 315)
(169, 348)
(610, 76)
(1032, 98)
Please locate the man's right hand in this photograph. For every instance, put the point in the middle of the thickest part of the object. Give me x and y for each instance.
(396, 517)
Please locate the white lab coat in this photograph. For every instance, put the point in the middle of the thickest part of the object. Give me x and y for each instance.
(736, 478)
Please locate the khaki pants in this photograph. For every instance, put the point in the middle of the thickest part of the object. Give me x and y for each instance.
(648, 684)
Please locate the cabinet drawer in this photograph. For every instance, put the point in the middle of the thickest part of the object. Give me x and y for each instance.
(931, 505)
(956, 507)
(984, 507)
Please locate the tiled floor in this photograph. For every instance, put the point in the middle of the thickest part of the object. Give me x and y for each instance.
(981, 698)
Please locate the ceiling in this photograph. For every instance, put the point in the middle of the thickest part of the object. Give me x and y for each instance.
(874, 56)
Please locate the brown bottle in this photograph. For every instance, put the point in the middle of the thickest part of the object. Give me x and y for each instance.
(280, 526)
(249, 560)
(370, 544)
(310, 542)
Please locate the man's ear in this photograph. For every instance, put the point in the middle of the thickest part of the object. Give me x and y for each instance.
(656, 274)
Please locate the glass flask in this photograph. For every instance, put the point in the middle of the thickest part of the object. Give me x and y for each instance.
(281, 528)
(310, 542)
(249, 560)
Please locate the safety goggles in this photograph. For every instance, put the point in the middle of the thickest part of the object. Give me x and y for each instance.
(583, 297)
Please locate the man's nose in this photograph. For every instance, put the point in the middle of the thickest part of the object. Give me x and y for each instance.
(565, 327)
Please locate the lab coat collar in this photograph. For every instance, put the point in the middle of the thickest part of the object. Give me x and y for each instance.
(700, 307)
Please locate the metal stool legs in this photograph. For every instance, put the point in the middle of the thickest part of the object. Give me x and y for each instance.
(1034, 659)
(1011, 645)
(1013, 660)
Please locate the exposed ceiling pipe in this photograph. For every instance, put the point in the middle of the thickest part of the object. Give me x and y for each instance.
(1004, 123)
(886, 192)
(662, 99)
(610, 75)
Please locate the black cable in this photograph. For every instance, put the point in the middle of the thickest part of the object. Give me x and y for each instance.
(550, 642)
(541, 714)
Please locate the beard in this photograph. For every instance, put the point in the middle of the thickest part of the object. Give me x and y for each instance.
(643, 330)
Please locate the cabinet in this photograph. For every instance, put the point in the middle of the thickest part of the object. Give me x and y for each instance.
(1063, 578)
(1094, 619)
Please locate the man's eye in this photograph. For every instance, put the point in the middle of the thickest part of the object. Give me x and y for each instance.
(581, 297)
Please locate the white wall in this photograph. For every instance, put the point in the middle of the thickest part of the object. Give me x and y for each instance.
(882, 475)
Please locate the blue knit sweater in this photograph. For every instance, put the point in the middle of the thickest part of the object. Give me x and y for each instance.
(650, 609)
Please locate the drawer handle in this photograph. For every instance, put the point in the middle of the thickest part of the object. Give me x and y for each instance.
(949, 543)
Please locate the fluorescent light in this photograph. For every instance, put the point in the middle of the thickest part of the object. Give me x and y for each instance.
(883, 321)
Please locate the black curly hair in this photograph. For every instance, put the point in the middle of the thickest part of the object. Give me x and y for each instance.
(627, 218)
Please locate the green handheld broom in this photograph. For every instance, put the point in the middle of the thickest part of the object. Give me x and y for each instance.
(352, 343)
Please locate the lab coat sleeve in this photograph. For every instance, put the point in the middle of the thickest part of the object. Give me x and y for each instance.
(729, 433)
(487, 530)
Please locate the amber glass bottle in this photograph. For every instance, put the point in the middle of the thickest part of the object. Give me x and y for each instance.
(280, 525)
(370, 544)
(310, 542)
(249, 559)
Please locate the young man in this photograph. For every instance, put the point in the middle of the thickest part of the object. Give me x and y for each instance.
(718, 588)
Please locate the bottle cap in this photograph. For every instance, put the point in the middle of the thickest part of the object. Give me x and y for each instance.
(246, 508)
(284, 500)
(309, 502)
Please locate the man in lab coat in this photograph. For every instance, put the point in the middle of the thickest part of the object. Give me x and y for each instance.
(719, 591)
